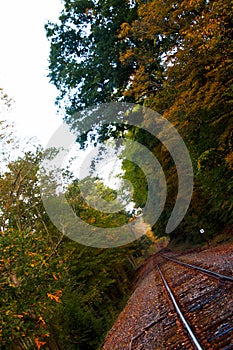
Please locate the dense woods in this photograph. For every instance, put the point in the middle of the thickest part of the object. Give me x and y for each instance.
(173, 57)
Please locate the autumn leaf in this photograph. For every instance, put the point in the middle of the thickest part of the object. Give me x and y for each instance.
(42, 320)
(19, 316)
(39, 343)
(55, 296)
(55, 277)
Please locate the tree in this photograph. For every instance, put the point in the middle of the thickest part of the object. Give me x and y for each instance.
(100, 283)
(5, 128)
(196, 92)
(84, 52)
(17, 185)
(32, 265)
(31, 286)
(43, 271)
(4, 99)
(44, 274)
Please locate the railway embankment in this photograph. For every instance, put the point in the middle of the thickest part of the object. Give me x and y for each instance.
(151, 320)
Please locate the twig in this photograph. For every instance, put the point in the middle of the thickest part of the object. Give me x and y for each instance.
(141, 333)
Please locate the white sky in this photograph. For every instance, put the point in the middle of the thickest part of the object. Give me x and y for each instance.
(24, 52)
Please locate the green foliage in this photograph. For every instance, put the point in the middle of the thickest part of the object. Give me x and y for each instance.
(85, 52)
(32, 273)
(99, 283)
(32, 268)
(82, 326)
(218, 184)
(85, 208)
(195, 94)
(172, 57)
(54, 293)
(137, 178)
(18, 208)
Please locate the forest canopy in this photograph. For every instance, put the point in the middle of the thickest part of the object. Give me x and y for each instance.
(172, 57)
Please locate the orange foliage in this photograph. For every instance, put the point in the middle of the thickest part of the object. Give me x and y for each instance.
(56, 297)
(39, 343)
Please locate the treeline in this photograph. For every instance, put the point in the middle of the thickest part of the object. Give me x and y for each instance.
(54, 293)
(174, 57)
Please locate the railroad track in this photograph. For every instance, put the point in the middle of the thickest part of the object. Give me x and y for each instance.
(210, 273)
(202, 315)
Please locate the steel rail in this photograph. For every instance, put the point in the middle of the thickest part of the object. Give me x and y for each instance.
(179, 312)
(207, 272)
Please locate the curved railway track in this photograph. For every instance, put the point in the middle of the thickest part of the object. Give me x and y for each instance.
(199, 297)
(178, 306)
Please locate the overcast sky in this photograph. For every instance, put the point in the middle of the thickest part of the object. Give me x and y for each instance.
(24, 65)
